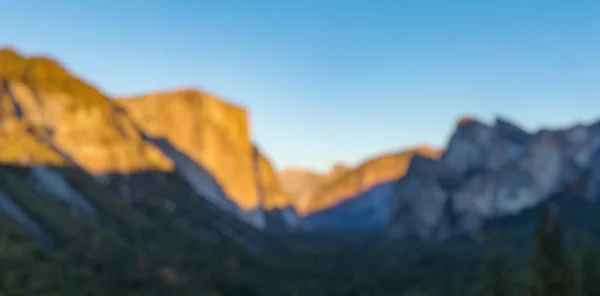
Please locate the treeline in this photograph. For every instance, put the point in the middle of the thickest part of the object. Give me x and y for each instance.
(549, 270)
(178, 265)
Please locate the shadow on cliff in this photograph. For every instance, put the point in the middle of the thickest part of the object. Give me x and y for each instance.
(189, 191)
(365, 212)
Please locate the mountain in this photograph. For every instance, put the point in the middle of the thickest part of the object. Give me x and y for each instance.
(96, 200)
(494, 171)
(298, 183)
(56, 124)
(213, 133)
(212, 140)
(165, 194)
(358, 198)
(198, 145)
(52, 117)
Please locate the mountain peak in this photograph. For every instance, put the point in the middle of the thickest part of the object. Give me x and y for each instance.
(191, 96)
(338, 168)
(45, 75)
(213, 133)
(466, 119)
(428, 150)
(9, 53)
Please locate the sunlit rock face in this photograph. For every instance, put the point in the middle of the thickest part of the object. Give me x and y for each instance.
(210, 139)
(270, 192)
(357, 182)
(213, 133)
(97, 136)
(50, 117)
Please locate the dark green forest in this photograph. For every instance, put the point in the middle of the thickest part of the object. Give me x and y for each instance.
(140, 249)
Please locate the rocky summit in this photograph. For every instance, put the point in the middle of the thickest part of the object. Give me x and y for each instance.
(494, 171)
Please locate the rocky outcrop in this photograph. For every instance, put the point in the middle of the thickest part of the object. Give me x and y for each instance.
(271, 194)
(298, 182)
(62, 120)
(493, 171)
(420, 202)
(358, 181)
(213, 133)
(475, 146)
(49, 117)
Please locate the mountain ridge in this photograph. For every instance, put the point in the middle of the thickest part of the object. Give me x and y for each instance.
(190, 119)
(351, 182)
(202, 144)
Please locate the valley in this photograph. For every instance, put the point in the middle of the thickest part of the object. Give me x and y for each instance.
(166, 194)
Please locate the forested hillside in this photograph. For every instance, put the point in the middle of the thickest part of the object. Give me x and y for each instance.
(141, 249)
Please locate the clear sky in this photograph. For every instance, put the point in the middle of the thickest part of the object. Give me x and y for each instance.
(334, 80)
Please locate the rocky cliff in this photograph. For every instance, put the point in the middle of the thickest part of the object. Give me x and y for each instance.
(490, 171)
(298, 182)
(270, 191)
(485, 172)
(213, 133)
(343, 184)
(52, 118)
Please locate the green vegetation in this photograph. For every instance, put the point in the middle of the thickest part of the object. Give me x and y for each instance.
(550, 266)
(140, 248)
(496, 276)
(588, 263)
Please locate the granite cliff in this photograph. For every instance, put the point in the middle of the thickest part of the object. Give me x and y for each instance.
(184, 142)
(298, 183)
(213, 133)
(343, 184)
(357, 198)
(493, 171)
(52, 117)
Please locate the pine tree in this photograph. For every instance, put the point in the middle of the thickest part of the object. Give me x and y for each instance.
(495, 278)
(588, 263)
(550, 267)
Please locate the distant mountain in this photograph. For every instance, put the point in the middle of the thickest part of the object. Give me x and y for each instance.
(299, 183)
(296, 182)
(167, 145)
(492, 171)
(349, 183)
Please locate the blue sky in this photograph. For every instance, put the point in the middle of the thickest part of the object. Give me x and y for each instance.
(333, 80)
